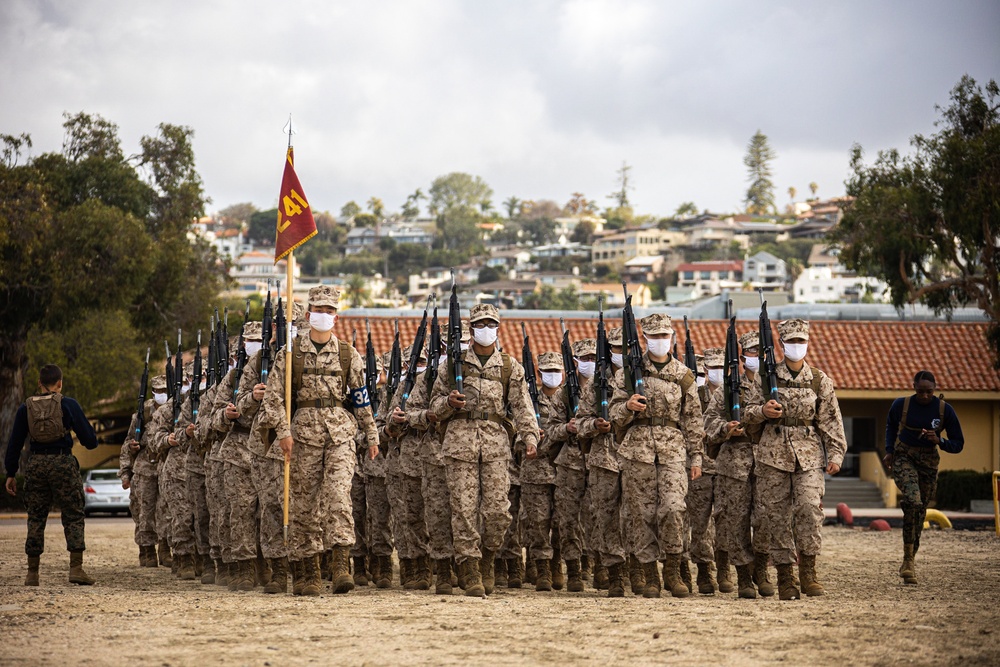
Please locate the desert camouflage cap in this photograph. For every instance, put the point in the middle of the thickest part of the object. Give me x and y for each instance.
(749, 339)
(550, 361)
(253, 331)
(793, 328)
(409, 350)
(298, 311)
(324, 295)
(715, 357)
(657, 323)
(466, 332)
(484, 311)
(159, 383)
(385, 358)
(615, 336)
(585, 346)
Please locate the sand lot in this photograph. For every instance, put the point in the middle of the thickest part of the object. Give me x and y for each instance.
(144, 616)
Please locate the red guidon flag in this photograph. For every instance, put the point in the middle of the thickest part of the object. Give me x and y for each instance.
(295, 218)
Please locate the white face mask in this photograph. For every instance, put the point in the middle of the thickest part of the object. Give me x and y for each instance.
(586, 368)
(464, 346)
(700, 380)
(617, 360)
(421, 369)
(715, 375)
(322, 322)
(203, 385)
(751, 363)
(159, 398)
(442, 360)
(659, 347)
(552, 380)
(186, 387)
(485, 336)
(295, 332)
(253, 347)
(796, 351)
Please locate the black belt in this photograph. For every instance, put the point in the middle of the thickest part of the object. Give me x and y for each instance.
(52, 451)
(654, 421)
(482, 415)
(320, 403)
(788, 421)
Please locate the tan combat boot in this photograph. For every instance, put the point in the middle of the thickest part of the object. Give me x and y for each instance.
(340, 560)
(807, 575)
(786, 583)
(637, 580)
(360, 575)
(530, 572)
(685, 569)
(706, 584)
(500, 573)
(442, 586)
(555, 565)
(723, 572)
(279, 577)
(384, 572)
(586, 568)
(312, 584)
(298, 576)
(672, 576)
(249, 578)
(326, 565)
(487, 573)
(221, 573)
(207, 570)
(574, 576)
(602, 579)
(515, 572)
(473, 578)
(31, 579)
(764, 585)
(235, 575)
(185, 567)
(616, 581)
(543, 580)
(148, 556)
(199, 565)
(164, 554)
(424, 575)
(76, 573)
(908, 570)
(744, 582)
(406, 574)
(651, 575)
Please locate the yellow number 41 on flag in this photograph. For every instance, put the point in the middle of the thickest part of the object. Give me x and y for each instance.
(292, 209)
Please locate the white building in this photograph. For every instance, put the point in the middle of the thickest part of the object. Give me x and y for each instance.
(821, 285)
(765, 270)
(252, 270)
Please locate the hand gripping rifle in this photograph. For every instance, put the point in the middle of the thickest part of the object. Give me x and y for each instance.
(529, 373)
(455, 335)
(690, 360)
(632, 351)
(196, 381)
(178, 380)
(371, 370)
(768, 366)
(731, 380)
(169, 372)
(140, 413)
(395, 365)
(572, 381)
(433, 350)
(241, 353)
(267, 324)
(418, 347)
(604, 365)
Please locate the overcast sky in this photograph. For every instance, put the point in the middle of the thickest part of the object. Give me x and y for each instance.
(540, 98)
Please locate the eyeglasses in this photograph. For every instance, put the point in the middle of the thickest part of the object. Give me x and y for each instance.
(486, 324)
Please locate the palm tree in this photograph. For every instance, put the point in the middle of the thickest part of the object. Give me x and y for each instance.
(356, 291)
(791, 193)
(376, 206)
(512, 205)
(813, 187)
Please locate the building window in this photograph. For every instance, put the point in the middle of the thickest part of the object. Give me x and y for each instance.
(706, 275)
(689, 275)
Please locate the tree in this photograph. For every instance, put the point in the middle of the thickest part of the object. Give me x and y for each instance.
(262, 227)
(791, 193)
(459, 226)
(927, 224)
(760, 194)
(813, 187)
(583, 232)
(513, 207)
(411, 209)
(686, 210)
(349, 210)
(458, 189)
(580, 205)
(377, 207)
(357, 291)
(237, 215)
(488, 274)
(365, 220)
(620, 196)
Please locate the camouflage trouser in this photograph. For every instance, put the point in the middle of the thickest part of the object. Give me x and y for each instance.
(915, 469)
(242, 497)
(733, 502)
(197, 498)
(700, 542)
(437, 511)
(478, 497)
(181, 516)
(379, 517)
(359, 510)
(218, 511)
(654, 494)
(145, 490)
(133, 508)
(411, 522)
(163, 518)
(53, 479)
(538, 501)
(511, 547)
(394, 492)
(268, 477)
(761, 536)
(319, 512)
(571, 485)
(587, 522)
(605, 502)
(787, 498)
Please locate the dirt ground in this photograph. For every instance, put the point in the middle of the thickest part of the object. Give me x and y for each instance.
(143, 616)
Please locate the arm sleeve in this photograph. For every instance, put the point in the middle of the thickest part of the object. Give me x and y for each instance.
(84, 431)
(586, 415)
(273, 406)
(892, 425)
(523, 410)
(439, 398)
(620, 415)
(364, 416)
(693, 425)
(830, 423)
(956, 441)
(16, 442)
(555, 421)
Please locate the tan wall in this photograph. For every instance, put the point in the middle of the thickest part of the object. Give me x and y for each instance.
(89, 458)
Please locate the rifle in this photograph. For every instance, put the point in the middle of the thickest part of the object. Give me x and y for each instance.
(418, 347)
(731, 380)
(572, 382)
(371, 371)
(676, 356)
(280, 324)
(768, 366)
(529, 373)
(178, 380)
(169, 371)
(140, 413)
(455, 335)
(267, 322)
(211, 353)
(604, 365)
(196, 381)
(632, 352)
(690, 359)
(433, 350)
(395, 365)
(241, 353)
(221, 357)
(225, 336)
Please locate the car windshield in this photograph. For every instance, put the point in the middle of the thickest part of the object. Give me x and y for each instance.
(103, 475)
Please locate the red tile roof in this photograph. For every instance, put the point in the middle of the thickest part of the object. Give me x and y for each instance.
(732, 265)
(857, 355)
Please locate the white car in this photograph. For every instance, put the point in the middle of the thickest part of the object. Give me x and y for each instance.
(103, 492)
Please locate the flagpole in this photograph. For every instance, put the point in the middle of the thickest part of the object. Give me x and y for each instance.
(289, 318)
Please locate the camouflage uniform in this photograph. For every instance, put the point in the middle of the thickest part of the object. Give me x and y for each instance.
(538, 480)
(197, 491)
(792, 453)
(477, 449)
(701, 492)
(173, 477)
(220, 544)
(378, 528)
(144, 480)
